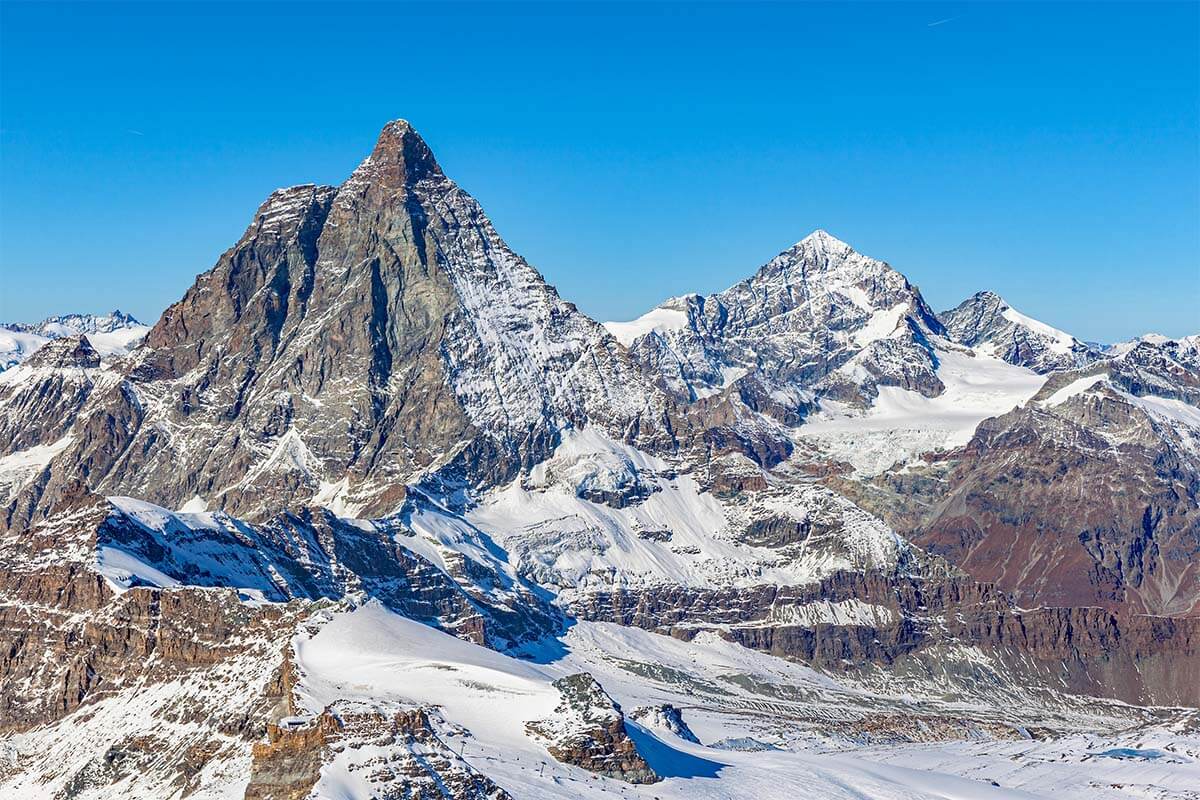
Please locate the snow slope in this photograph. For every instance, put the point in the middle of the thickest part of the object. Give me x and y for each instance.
(902, 424)
(658, 320)
(15, 346)
(483, 699)
(678, 534)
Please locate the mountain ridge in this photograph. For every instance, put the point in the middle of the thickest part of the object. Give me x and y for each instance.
(114, 334)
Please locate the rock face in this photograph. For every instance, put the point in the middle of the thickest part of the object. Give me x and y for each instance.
(166, 687)
(72, 638)
(74, 351)
(588, 730)
(40, 402)
(849, 620)
(312, 554)
(986, 321)
(288, 764)
(1158, 367)
(397, 755)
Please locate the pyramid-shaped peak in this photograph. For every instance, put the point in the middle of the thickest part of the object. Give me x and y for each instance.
(119, 317)
(985, 304)
(988, 297)
(68, 351)
(821, 239)
(401, 155)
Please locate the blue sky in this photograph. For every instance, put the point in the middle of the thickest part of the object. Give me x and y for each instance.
(630, 152)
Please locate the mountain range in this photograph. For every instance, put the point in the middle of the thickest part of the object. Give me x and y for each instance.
(112, 334)
(371, 511)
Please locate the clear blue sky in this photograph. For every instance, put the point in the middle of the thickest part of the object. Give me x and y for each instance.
(1048, 152)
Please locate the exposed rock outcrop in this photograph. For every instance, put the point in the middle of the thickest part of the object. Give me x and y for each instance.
(850, 620)
(588, 730)
(1042, 502)
(313, 554)
(398, 755)
(665, 717)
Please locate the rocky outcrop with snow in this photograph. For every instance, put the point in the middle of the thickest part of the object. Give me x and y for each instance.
(312, 554)
(986, 322)
(1158, 367)
(588, 730)
(819, 318)
(1086, 495)
(40, 402)
(665, 717)
(393, 753)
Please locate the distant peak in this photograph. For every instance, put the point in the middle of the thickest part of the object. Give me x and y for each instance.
(822, 239)
(988, 296)
(980, 302)
(68, 351)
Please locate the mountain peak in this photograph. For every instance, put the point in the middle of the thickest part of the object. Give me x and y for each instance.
(818, 253)
(68, 351)
(986, 320)
(987, 297)
(400, 157)
(823, 240)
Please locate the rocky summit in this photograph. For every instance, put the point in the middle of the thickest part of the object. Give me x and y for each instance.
(372, 512)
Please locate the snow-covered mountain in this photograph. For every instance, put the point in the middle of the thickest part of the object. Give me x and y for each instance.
(372, 512)
(818, 315)
(75, 324)
(111, 334)
(986, 322)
